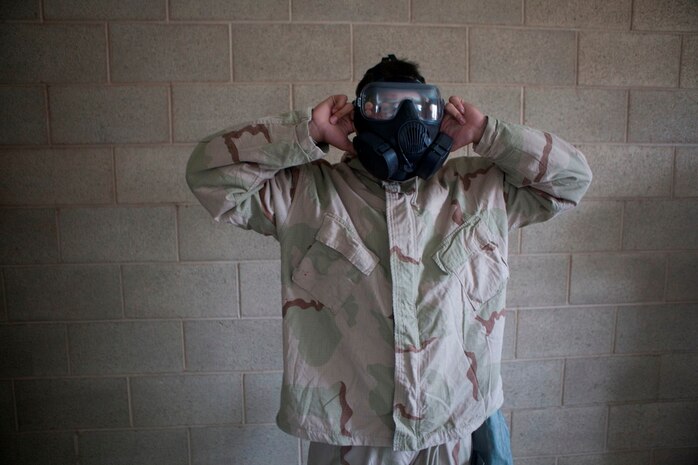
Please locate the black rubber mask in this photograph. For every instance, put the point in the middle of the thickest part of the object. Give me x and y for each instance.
(397, 126)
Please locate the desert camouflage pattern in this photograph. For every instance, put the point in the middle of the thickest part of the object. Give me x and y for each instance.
(393, 293)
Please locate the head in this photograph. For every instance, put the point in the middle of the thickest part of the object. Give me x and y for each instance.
(397, 125)
(390, 69)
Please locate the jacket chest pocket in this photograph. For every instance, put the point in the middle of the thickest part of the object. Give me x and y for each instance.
(473, 256)
(335, 263)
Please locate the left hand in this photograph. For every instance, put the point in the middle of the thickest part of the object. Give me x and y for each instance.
(463, 122)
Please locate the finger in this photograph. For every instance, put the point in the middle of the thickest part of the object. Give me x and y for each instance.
(338, 102)
(451, 109)
(347, 109)
(457, 102)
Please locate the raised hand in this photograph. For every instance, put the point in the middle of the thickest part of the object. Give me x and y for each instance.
(463, 122)
(332, 122)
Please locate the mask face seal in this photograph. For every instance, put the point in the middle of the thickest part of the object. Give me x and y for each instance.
(397, 125)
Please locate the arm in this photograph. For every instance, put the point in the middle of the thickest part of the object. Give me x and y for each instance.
(247, 175)
(543, 174)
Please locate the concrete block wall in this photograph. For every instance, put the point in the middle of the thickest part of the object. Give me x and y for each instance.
(134, 329)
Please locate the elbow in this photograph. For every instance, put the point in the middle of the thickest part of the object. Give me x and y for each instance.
(584, 174)
(195, 166)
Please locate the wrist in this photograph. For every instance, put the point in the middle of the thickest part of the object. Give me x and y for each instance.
(480, 125)
(313, 132)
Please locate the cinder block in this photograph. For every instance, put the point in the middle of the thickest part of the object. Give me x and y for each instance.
(628, 59)
(558, 430)
(565, 331)
(604, 279)
(629, 170)
(686, 172)
(238, 10)
(309, 95)
(33, 350)
(681, 456)
(577, 230)
(152, 174)
(503, 103)
(665, 424)
(608, 14)
(509, 345)
(534, 384)
(516, 55)
(104, 9)
(64, 292)
(537, 280)
(202, 238)
(689, 62)
(125, 347)
(23, 119)
(660, 224)
(251, 445)
(467, 12)
(28, 236)
(3, 308)
(535, 461)
(53, 53)
(416, 44)
(577, 115)
(610, 379)
(186, 400)
(262, 394)
(180, 291)
(291, 52)
(663, 116)
(7, 407)
(213, 345)
(678, 376)
(200, 110)
(681, 282)
(44, 404)
(114, 114)
(260, 289)
(56, 176)
(348, 10)
(618, 458)
(137, 447)
(169, 52)
(118, 234)
(668, 15)
(657, 328)
(38, 448)
(20, 10)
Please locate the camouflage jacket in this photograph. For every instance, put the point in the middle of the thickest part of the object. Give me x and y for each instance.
(393, 293)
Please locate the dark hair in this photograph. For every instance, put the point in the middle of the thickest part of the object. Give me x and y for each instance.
(390, 69)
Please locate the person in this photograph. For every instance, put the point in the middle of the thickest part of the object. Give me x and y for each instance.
(393, 261)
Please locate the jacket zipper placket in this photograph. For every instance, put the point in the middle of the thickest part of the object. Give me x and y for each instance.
(401, 236)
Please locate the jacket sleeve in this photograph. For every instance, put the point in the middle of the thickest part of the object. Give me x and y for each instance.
(247, 175)
(543, 174)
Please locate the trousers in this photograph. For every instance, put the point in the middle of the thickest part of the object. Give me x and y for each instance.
(488, 445)
(450, 453)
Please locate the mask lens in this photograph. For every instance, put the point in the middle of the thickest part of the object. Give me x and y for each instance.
(381, 100)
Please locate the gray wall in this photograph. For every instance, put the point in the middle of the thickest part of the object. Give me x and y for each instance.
(134, 330)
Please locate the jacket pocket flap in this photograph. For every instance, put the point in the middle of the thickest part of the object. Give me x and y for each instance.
(458, 246)
(340, 236)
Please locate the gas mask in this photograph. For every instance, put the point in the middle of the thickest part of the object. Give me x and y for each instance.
(397, 126)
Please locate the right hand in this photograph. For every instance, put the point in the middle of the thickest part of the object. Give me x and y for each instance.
(332, 122)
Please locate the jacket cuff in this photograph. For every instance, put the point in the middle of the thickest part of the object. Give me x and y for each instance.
(311, 150)
(484, 147)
